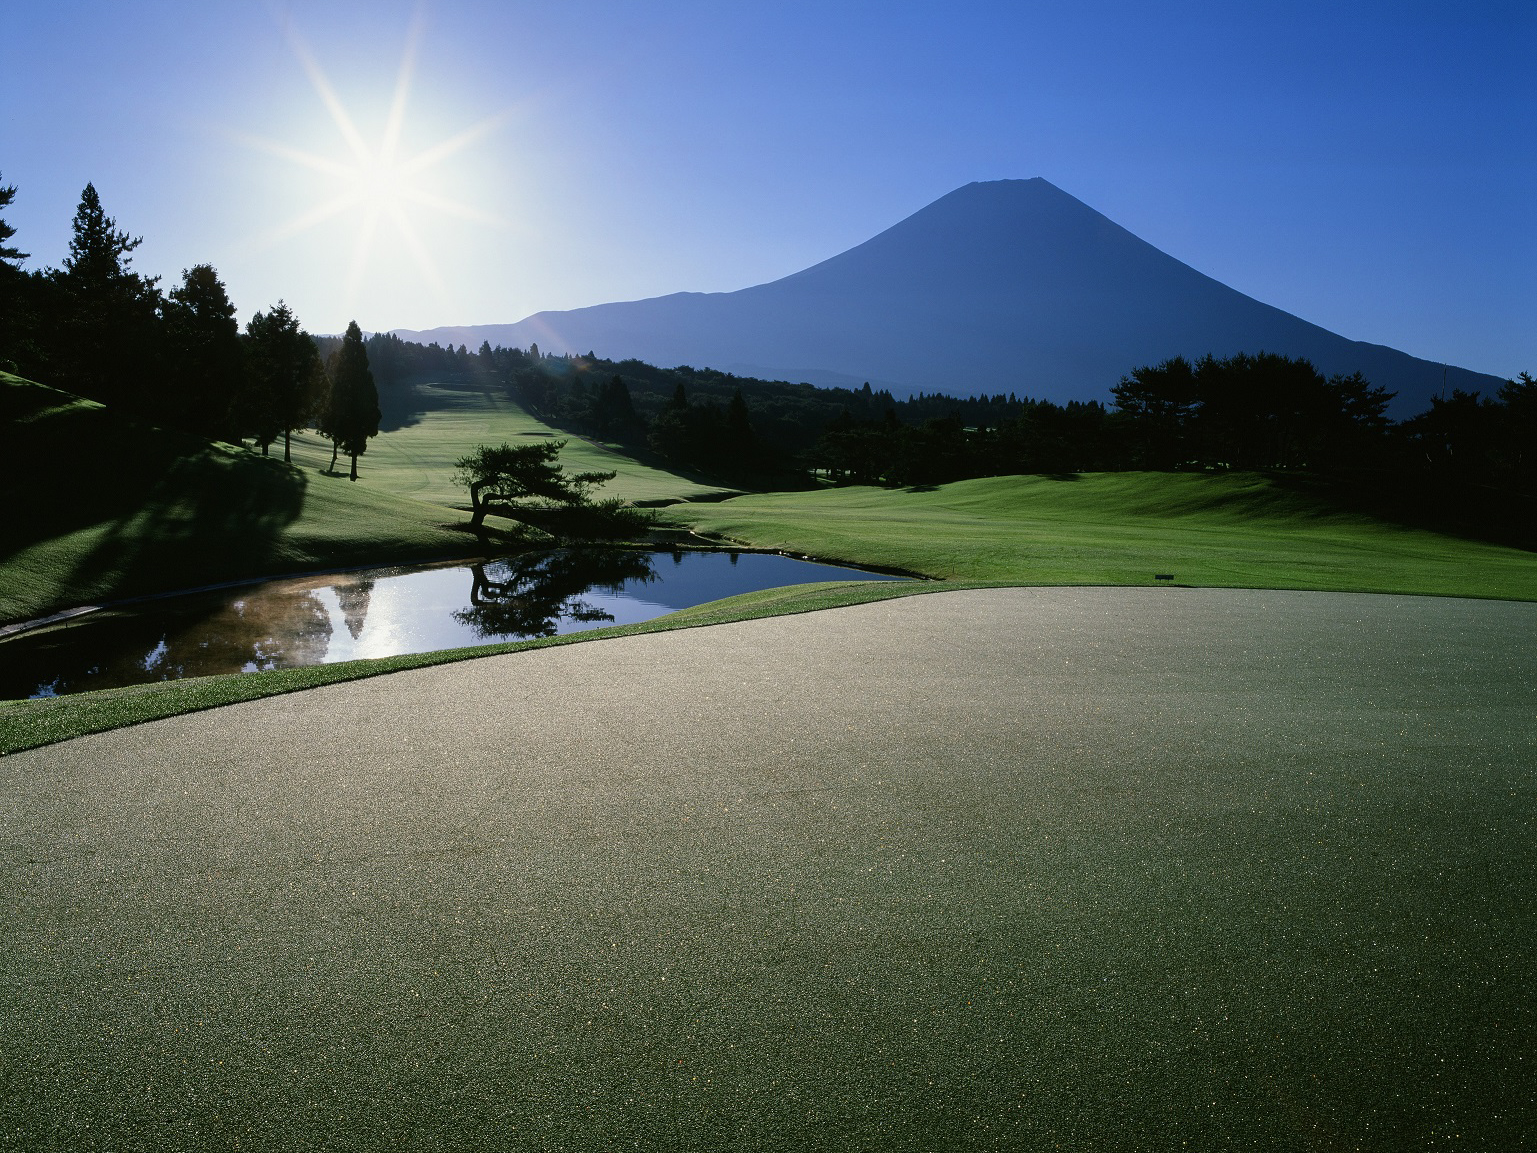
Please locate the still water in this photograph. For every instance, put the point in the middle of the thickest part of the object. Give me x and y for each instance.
(383, 612)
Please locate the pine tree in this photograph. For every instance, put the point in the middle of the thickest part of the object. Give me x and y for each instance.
(8, 255)
(285, 380)
(106, 338)
(350, 415)
(15, 315)
(203, 354)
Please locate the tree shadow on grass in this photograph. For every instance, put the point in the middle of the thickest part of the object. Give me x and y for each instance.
(210, 516)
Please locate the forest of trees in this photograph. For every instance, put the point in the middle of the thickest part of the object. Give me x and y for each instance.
(1261, 411)
(179, 359)
(98, 328)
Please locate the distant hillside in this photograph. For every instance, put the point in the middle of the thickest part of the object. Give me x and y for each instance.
(1010, 283)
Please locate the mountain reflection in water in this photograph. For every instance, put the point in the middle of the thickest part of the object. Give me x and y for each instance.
(382, 612)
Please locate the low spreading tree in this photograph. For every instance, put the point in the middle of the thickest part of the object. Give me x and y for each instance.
(508, 479)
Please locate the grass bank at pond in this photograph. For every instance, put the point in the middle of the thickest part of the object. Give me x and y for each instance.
(28, 724)
(417, 460)
(100, 507)
(1235, 530)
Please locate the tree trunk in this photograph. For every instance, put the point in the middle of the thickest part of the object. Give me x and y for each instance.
(287, 459)
(354, 466)
(335, 446)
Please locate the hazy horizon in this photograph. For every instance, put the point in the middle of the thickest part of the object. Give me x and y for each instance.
(1363, 171)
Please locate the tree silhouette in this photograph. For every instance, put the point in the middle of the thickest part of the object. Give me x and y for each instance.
(350, 413)
(108, 322)
(204, 360)
(8, 255)
(507, 478)
(15, 315)
(286, 378)
(526, 596)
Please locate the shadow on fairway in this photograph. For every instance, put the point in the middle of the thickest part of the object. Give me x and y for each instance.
(210, 511)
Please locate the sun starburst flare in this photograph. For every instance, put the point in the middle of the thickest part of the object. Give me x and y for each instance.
(377, 183)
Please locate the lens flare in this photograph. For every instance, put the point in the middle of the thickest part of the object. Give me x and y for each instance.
(376, 184)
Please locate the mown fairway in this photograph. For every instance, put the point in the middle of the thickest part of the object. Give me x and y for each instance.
(417, 461)
(1233, 530)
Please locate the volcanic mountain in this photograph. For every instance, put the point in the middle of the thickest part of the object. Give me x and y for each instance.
(1005, 285)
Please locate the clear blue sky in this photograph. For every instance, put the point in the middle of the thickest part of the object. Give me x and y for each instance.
(1369, 167)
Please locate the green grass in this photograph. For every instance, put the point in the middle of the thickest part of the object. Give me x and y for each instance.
(102, 508)
(184, 513)
(99, 507)
(417, 461)
(1229, 530)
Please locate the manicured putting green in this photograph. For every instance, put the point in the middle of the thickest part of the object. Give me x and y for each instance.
(1111, 869)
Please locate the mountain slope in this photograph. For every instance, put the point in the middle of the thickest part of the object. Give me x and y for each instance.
(1002, 285)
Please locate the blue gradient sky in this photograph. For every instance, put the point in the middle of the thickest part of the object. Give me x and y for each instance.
(1369, 167)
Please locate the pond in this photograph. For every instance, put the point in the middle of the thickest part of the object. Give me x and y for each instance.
(383, 612)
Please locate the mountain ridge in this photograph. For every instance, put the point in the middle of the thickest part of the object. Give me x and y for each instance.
(1007, 285)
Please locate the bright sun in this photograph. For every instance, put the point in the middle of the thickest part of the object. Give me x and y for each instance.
(375, 184)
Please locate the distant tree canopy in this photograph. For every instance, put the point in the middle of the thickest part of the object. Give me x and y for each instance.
(1260, 411)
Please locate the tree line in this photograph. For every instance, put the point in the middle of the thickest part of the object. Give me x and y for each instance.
(1258, 411)
(98, 328)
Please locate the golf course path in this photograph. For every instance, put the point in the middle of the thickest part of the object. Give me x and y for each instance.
(1018, 868)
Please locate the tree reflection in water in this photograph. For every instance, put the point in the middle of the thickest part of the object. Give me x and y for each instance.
(527, 596)
(353, 599)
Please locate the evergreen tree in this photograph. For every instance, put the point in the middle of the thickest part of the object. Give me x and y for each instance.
(15, 313)
(285, 378)
(350, 414)
(8, 255)
(203, 354)
(105, 338)
(739, 447)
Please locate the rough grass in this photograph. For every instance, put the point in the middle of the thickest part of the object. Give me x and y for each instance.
(1227, 530)
(417, 461)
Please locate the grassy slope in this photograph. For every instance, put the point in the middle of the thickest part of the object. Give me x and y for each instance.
(418, 461)
(101, 508)
(1234, 530)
